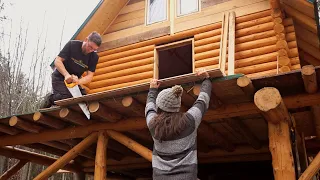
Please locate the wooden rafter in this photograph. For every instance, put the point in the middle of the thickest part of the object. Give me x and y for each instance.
(103, 112)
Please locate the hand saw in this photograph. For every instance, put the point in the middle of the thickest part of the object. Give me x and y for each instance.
(75, 91)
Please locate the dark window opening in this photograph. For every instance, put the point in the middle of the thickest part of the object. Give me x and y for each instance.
(175, 61)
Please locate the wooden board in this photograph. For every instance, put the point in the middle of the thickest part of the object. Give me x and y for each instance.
(209, 3)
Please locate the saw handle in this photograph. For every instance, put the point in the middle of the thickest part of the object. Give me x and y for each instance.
(70, 85)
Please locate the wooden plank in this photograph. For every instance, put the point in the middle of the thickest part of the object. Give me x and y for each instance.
(133, 7)
(102, 18)
(231, 44)
(134, 1)
(135, 38)
(301, 5)
(129, 16)
(125, 24)
(132, 31)
(224, 44)
(307, 36)
(209, 3)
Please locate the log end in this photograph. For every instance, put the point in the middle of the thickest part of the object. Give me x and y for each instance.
(308, 70)
(278, 28)
(64, 112)
(282, 52)
(196, 89)
(284, 69)
(13, 121)
(267, 99)
(37, 116)
(243, 81)
(127, 101)
(94, 107)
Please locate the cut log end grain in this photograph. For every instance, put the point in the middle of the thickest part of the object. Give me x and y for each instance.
(278, 28)
(284, 61)
(94, 107)
(243, 81)
(64, 112)
(276, 13)
(196, 89)
(13, 121)
(37, 116)
(267, 99)
(309, 79)
(281, 36)
(277, 20)
(282, 44)
(308, 70)
(284, 69)
(127, 101)
(282, 52)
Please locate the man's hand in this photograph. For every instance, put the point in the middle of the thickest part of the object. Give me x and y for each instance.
(154, 83)
(202, 72)
(68, 78)
(75, 79)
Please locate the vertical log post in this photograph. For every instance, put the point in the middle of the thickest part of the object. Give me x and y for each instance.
(65, 159)
(312, 169)
(100, 170)
(269, 101)
(131, 144)
(13, 170)
(284, 63)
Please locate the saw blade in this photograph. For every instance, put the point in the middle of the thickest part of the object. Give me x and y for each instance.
(75, 92)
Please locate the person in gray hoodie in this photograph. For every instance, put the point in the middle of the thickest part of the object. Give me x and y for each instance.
(175, 133)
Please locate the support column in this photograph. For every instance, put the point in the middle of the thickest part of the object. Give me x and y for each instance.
(269, 101)
(70, 155)
(13, 170)
(100, 170)
(312, 169)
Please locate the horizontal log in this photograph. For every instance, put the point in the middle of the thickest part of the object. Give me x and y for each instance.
(253, 22)
(21, 154)
(119, 80)
(24, 125)
(126, 59)
(301, 18)
(207, 47)
(49, 121)
(310, 59)
(74, 117)
(133, 105)
(292, 44)
(122, 66)
(207, 62)
(9, 130)
(289, 29)
(308, 48)
(216, 66)
(288, 22)
(303, 6)
(271, 72)
(77, 132)
(246, 86)
(256, 60)
(242, 109)
(124, 72)
(208, 40)
(256, 36)
(253, 16)
(208, 54)
(208, 34)
(126, 53)
(103, 112)
(307, 36)
(164, 39)
(255, 29)
(256, 44)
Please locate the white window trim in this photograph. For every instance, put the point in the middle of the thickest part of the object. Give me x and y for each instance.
(147, 13)
(177, 5)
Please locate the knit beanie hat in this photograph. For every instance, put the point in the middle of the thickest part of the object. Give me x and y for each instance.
(169, 99)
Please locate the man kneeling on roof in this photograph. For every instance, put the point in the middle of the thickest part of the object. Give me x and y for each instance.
(73, 60)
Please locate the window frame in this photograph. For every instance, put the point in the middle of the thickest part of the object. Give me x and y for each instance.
(147, 13)
(177, 6)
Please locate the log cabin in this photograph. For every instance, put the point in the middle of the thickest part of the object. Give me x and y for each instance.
(264, 118)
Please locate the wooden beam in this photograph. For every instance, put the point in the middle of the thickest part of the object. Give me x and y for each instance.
(62, 161)
(212, 137)
(13, 170)
(9, 130)
(238, 126)
(74, 117)
(131, 144)
(104, 112)
(100, 170)
(24, 125)
(231, 42)
(316, 119)
(134, 105)
(309, 77)
(49, 121)
(21, 154)
(77, 132)
(269, 101)
(312, 169)
(246, 85)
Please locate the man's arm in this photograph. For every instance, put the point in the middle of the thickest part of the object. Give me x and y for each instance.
(58, 62)
(84, 80)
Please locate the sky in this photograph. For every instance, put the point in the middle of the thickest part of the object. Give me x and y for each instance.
(46, 17)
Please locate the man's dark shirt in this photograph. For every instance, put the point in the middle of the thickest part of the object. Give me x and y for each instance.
(75, 61)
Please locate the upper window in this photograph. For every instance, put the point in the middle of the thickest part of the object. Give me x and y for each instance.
(157, 11)
(187, 6)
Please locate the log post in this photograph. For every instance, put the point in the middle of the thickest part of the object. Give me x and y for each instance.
(309, 78)
(13, 170)
(131, 144)
(312, 169)
(134, 105)
(65, 159)
(104, 112)
(246, 85)
(269, 101)
(100, 170)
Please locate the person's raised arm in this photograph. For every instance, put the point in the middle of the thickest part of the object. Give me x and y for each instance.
(150, 110)
(201, 105)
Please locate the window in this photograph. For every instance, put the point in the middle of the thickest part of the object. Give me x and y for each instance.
(187, 6)
(174, 59)
(157, 11)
